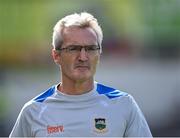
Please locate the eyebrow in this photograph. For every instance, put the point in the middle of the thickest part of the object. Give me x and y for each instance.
(82, 45)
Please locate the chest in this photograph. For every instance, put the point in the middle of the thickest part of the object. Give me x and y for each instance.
(80, 121)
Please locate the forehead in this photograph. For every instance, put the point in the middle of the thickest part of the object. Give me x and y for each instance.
(82, 36)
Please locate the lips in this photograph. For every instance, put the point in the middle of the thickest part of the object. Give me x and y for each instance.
(82, 66)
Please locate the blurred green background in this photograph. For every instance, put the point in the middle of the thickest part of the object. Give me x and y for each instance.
(141, 52)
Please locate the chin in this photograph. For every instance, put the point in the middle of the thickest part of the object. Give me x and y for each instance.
(82, 77)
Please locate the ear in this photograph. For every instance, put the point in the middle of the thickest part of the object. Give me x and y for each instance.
(56, 56)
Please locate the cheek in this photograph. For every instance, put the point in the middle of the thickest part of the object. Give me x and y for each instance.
(67, 64)
(95, 61)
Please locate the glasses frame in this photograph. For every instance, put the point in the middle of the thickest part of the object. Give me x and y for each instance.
(78, 48)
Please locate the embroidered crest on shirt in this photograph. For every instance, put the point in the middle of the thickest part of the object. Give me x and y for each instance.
(100, 125)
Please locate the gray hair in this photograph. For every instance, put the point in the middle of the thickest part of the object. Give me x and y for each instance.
(83, 19)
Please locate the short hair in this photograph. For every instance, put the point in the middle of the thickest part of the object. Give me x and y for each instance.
(81, 20)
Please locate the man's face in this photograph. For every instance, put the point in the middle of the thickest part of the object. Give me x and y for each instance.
(78, 66)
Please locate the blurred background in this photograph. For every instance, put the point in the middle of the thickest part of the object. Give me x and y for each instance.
(141, 54)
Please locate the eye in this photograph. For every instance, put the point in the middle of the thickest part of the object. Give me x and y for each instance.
(73, 48)
(92, 48)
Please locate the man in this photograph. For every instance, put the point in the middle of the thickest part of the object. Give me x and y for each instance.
(78, 106)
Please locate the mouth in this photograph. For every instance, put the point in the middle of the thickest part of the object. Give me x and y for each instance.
(82, 67)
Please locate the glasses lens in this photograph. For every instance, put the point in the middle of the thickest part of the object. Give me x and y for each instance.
(92, 48)
(75, 49)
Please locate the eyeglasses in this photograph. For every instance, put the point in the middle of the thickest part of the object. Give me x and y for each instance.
(75, 49)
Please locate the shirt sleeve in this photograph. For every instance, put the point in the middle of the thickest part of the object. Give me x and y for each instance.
(22, 127)
(137, 125)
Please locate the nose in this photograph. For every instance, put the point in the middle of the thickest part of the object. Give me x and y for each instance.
(83, 55)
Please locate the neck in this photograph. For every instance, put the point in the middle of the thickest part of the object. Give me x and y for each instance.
(71, 87)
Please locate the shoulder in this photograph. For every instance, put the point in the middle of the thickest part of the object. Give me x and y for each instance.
(44, 95)
(110, 92)
(117, 98)
(113, 94)
(38, 101)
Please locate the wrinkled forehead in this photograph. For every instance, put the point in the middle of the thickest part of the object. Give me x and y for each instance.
(79, 35)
